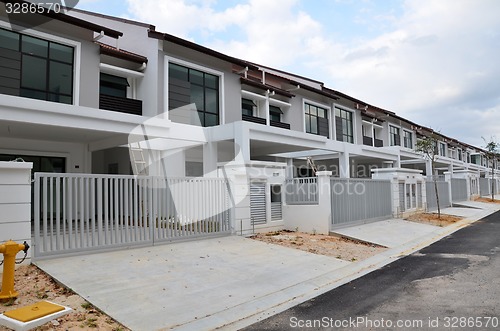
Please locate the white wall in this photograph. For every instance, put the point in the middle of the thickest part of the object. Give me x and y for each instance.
(15, 205)
(312, 218)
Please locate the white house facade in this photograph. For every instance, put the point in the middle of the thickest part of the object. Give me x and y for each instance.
(75, 91)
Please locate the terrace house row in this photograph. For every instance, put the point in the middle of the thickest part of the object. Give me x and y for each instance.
(73, 89)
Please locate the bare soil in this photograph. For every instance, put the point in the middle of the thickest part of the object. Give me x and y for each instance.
(338, 247)
(433, 219)
(483, 199)
(34, 285)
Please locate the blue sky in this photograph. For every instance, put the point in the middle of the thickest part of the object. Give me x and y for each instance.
(434, 62)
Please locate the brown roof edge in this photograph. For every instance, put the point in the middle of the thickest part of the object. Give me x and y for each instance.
(75, 21)
(199, 48)
(279, 91)
(117, 19)
(286, 73)
(314, 90)
(121, 54)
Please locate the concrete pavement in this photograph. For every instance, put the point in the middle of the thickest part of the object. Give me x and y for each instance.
(228, 282)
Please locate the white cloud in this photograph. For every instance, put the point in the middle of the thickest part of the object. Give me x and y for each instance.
(436, 63)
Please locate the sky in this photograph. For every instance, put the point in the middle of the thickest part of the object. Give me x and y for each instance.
(434, 62)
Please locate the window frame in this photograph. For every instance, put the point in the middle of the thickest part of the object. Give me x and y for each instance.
(254, 106)
(353, 123)
(392, 139)
(406, 138)
(190, 65)
(77, 51)
(442, 149)
(327, 110)
(275, 110)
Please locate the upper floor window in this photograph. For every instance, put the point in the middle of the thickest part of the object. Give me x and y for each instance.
(407, 139)
(275, 113)
(35, 68)
(394, 134)
(248, 107)
(188, 86)
(442, 149)
(316, 120)
(344, 125)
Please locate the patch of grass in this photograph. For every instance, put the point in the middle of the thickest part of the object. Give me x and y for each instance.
(86, 305)
(90, 322)
(9, 302)
(41, 294)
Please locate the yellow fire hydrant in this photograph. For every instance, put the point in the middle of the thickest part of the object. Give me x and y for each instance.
(9, 251)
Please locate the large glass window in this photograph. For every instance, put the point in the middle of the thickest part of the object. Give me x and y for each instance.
(344, 125)
(407, 139)
(316, 120)
(188, 85)
(46, 67)
(395, 136)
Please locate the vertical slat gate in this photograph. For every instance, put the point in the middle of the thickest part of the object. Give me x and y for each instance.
(81, 212)
(258, 207)
(360, 200)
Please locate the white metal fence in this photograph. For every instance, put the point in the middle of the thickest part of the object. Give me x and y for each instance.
(301, 191)
(81, 212)
(359, 200)
(444, 195)
(459, 189)
(484, 186)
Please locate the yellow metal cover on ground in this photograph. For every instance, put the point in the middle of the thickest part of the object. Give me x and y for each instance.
(34, 311)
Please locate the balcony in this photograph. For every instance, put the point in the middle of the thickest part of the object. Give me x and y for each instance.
(122, 105)
(369, 141)
(260, 120)
(280, 125)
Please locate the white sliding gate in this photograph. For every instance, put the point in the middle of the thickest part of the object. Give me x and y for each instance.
(82, 212)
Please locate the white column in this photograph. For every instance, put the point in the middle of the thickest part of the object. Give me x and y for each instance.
(344, 165)
(428, 168)
(241, 143)
(289, 169)
(266, 109)
(210, 159)
(15, 202)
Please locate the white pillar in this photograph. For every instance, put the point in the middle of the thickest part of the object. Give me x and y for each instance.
(289, 169)
(210, 159)
(241, 143)
(15, 202)
(324, 201)
(266, 109)
(344, 165)
(428, 168)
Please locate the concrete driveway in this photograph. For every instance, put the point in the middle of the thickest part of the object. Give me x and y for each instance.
(229, 282)
(196, 285)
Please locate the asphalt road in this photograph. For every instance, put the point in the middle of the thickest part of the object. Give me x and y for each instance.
(453, 284)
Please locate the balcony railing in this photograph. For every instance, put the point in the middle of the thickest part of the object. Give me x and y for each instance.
(118, 104)
(260, 120)
(280, 125)
(369, 141)
(253, 119)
